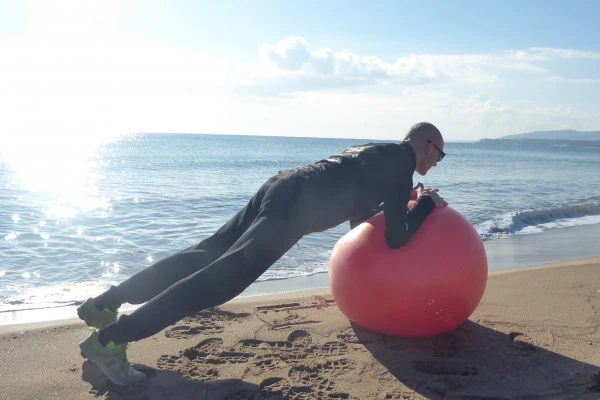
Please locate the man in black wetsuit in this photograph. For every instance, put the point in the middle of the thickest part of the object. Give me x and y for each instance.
(350, 186)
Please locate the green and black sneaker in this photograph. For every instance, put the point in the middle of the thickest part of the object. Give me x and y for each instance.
(112, 360)
(94, 317)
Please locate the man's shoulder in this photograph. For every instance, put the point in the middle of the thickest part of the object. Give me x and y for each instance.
(373, 148)
(390, 161)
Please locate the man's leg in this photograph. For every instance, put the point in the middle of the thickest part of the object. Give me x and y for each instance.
(154, 279)
(265, 241)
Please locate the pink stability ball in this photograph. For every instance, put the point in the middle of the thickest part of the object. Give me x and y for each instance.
(428, 286)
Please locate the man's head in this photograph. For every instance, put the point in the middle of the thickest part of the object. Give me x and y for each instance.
(428, 144)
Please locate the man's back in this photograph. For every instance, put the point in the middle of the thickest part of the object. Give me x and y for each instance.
(353, 183)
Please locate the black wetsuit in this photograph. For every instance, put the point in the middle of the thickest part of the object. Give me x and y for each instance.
(347, 187)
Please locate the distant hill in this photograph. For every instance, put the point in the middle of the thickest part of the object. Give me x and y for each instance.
(556, 135)
(549, 139)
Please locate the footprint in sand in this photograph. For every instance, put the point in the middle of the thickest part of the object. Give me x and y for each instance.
(172, 363)
(308, 390)
(228, 357)
(275, 385)
(204, 348)
(216, 314)
(319, 302)
(189, 368)
(302, 346)
(266, 363)
(331, 349)
(328, 369)
(300, 339)
(347, 335)
(290, 320)
(198, 362)
(206, 322)
(254, 344)
(201, 373)
(337, 367)
(400, 395)
(185, 331)
(204, 360)
(285, 350)
(274, 388)
(312, 377)
(287, 315)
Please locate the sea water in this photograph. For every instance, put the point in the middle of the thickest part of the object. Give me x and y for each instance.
(75, 221)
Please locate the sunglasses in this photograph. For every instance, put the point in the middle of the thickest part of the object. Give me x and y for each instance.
(442, 154)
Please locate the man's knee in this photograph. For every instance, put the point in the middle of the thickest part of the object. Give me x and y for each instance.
(270, 242)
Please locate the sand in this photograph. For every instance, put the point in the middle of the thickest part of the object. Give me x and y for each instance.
(535, 335)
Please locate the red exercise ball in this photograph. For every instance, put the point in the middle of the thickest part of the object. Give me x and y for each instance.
(428, 286)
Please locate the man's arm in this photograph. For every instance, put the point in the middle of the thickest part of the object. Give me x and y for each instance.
(400, 222)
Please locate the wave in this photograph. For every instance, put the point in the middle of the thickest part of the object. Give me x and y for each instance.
(539, 220)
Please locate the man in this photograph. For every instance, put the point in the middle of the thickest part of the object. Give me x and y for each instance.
(348, 187)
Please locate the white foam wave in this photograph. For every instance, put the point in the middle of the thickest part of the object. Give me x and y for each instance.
(32, 298)
(534, 221)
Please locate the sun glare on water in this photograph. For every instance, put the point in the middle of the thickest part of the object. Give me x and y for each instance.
(61, 171)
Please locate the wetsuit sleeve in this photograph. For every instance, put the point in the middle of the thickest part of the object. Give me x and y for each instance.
(400, 222)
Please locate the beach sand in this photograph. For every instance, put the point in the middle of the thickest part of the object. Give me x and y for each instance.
(535, 335)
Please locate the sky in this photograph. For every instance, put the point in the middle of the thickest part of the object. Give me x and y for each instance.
(77, 71)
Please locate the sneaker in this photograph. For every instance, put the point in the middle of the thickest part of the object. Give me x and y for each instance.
(112, 360)
(94, 317)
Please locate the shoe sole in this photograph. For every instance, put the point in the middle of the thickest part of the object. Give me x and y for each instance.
(107, 378)
(94, 326)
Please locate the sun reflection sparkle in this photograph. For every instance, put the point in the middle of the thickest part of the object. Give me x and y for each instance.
(60, 170)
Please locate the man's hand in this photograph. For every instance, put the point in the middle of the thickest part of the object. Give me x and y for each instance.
(414, 194)
(433, 194)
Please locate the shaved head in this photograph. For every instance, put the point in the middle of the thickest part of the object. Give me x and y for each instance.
(428, 144)
(420, 133)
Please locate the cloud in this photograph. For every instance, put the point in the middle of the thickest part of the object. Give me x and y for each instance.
(289, 54)
(532, 58)
(480, 103)
(291, 65)
(524, 66)
(547, 53)
(581, 81)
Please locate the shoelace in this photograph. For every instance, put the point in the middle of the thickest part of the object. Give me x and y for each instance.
(110, 313)
(121, 354)
(120, 351)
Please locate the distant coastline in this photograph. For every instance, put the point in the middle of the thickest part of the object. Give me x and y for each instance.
(559, 138)
(593, 144)
(556, 135)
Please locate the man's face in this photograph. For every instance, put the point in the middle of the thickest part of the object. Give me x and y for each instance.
(431, 154)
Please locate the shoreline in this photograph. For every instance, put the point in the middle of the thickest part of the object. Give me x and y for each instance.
(535, 334)
(514, 252)
(256, 296)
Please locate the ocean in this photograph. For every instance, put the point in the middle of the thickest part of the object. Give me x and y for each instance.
(78, 220)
